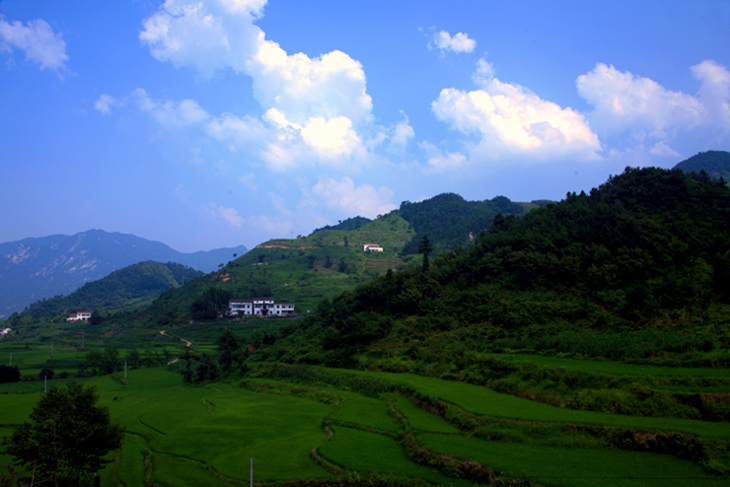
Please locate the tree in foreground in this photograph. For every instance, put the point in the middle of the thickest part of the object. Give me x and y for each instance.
(67, 437)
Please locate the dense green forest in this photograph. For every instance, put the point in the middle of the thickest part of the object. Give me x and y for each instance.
(138, 283)
(449, 220)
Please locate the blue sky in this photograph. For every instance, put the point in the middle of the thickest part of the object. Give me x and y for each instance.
(212, 123)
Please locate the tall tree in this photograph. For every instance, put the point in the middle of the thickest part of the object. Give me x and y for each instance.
(425, 249)
(67, 437)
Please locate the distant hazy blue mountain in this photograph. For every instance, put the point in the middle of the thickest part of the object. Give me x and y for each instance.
(37, 268)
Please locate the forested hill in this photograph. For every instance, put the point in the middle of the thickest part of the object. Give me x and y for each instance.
(649, 248)
(138, 283)
(714, 162)
(448, 219)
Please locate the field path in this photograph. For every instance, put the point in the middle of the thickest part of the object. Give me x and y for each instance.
(321, 461)
(188, 344)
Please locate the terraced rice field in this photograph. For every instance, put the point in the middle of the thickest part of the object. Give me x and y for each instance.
(179, 435)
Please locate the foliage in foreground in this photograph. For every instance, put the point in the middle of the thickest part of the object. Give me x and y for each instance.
(67, 437)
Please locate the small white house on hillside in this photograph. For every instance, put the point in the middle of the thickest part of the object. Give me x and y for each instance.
(259, 307)
(371, 247)
(79, 316)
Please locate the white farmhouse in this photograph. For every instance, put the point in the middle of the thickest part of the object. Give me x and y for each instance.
(4, 331)
(259, 307)
(371, 247)
(79, 316)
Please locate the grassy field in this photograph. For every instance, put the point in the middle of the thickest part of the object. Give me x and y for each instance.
(178, 435)
(574, 467)
(616, 368)
(364, 451)
(486, 402)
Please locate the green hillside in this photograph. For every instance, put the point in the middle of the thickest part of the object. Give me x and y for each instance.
(450, 221)
(128, 287)
(331, 260)
(715, 163)
(636, 271)
(302, 271)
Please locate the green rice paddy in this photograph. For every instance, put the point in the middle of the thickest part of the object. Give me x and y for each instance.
(486, 402)
(575, 467)
(179, 435)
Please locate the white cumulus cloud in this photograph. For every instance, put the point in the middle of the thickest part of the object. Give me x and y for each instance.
(623, 101)
(229, 215)
(508, 119)
(207, 36)
(402, 133)
(168, 113)
(714, 91)
(105, 103)
(459, 42)
(439, 161)
(37, 39)
(315, 107)
(365, 200)
(237, 132)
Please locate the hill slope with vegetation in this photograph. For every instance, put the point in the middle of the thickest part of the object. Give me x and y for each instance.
(714, 162)
(331, 260)
(302, 271)
(133, 285)
(637, 269)
(449, 221)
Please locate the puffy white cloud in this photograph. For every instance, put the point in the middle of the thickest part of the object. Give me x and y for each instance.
(364, 200)
(714, 91)
(508, 119)
(301, 87)
(439, 161)
(484, 73)
(170, 113)
(332, 141)
(207, 36)
(460, 42)
(661, 149)
(314, 107)
(37, 39)
(237, 132)
(331, 138)
(229, 215)
(401, 135)
(105, 103)
(623, 102)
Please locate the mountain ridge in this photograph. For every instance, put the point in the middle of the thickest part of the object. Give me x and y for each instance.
(42, 267)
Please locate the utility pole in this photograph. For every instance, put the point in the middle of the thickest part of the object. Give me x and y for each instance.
(45, 384)
(125, 369)
(251, 471)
